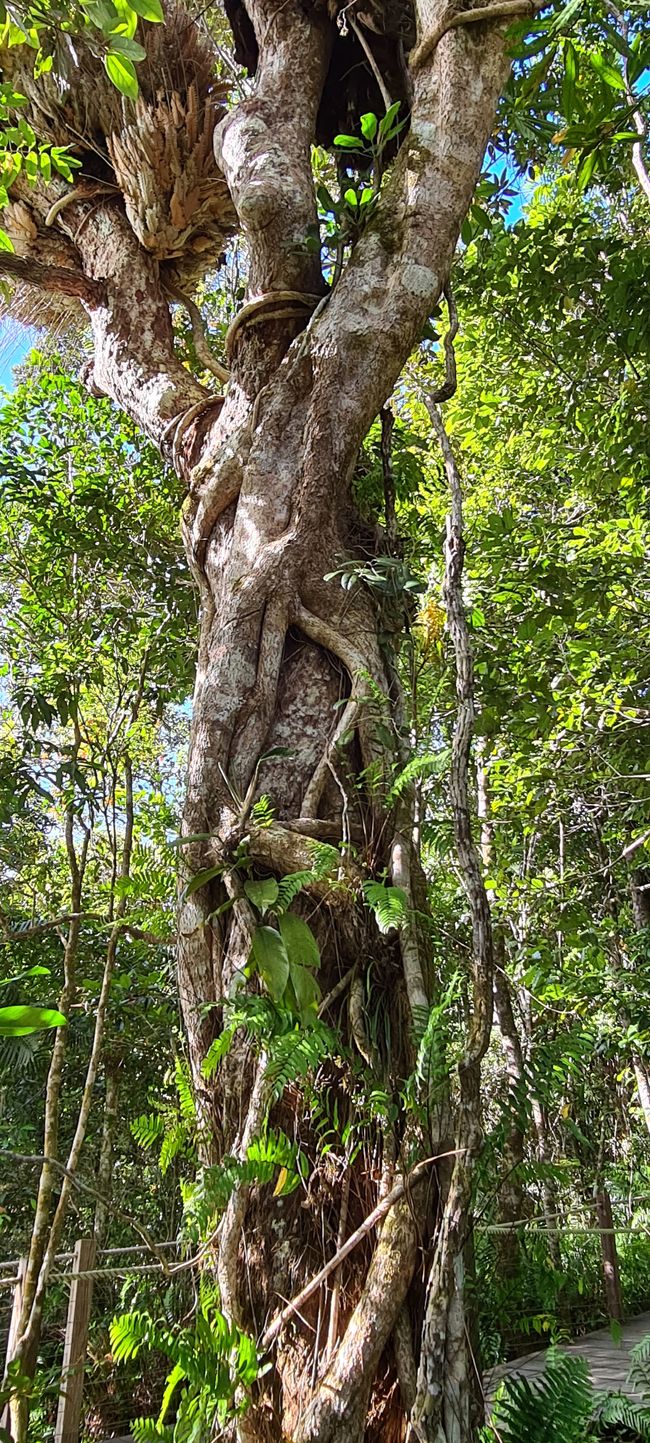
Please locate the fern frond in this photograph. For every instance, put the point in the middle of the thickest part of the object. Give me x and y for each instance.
(217, 1051)
(616, 1410)
(263, 812)
(176, 1376)
(433, 764)
(555, 1408)
(299, 1052)
(173, 1142)
(149, 1430)
(129, 1333)
(148, 1129)
(327, 859)
(389, 904)
(291, 885)
(639, 1374)
(184, 1091)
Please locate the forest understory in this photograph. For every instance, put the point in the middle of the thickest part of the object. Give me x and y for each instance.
(324, 719)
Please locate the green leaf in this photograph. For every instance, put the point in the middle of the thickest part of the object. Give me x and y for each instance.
(563, 18)
(21, 1021)
(587, 169)
(607, 72)
(201, 879)
(348, 142)
(306, 989)
(386, 123)
(6, 244)
(262, 894)
(121, 72)
(275, 753)
(174, 1378)
(351, 198)
(570, 77)
(369, 125)
(149, 10)
(123, 45)
(35, 971)
(300, 943)
(269, 954)
(102, 14)
(326, 200)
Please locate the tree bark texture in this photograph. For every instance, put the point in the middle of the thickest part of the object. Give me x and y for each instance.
(609, 1254)
(288, 660)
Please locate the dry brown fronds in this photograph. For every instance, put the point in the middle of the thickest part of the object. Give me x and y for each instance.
(155, 153)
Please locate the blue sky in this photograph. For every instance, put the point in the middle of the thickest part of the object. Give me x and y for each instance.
(15, 342)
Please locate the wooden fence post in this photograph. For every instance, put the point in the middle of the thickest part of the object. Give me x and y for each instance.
(13, 1327)
(68, 1420)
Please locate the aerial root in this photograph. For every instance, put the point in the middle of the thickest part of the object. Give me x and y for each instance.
(199, 332)
(174, 430)
(315, 787)
(273, 305)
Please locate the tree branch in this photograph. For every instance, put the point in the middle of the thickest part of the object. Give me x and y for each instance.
(199, 333)
(61, 280)
(501, 10)
(48, 924)
(39, 1159)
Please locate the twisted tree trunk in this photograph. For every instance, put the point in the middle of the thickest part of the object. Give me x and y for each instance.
(288, 662)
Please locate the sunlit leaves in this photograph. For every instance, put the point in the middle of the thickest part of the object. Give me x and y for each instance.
(576, 84)
(121, 71)
(21, 1021)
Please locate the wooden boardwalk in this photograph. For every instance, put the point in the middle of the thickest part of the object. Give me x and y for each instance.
(609, 1362)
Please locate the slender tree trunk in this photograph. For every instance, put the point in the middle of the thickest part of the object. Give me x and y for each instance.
(639, 892)
(512, 1196)
(512, 1202)
(105, 1164)
(609, 1253)
(19, 1407)
(449, 1371)
(53, 1222)
(517, 1071)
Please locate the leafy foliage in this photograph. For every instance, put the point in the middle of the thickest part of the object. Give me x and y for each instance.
(554, 1409)
(210, 1360)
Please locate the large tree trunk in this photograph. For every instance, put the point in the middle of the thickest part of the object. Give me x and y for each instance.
(288, 660)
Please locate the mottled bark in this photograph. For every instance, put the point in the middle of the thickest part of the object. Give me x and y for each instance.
(105, 1163)
(268, 514)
